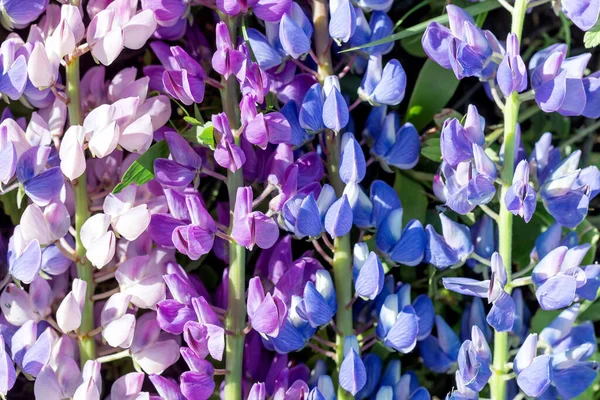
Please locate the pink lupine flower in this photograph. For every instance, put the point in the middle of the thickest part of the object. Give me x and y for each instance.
(126, 219)
(118, 325)
(142, 278)
(153, 350)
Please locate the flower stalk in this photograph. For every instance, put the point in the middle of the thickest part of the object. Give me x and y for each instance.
(505, 220)
(342, 256)
(87, 345)
(235, 320)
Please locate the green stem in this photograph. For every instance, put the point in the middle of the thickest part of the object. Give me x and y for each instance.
(87, 345)
(235, 320)
(505, 221)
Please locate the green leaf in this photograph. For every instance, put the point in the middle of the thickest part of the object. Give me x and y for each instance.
(588, 233)
(432, 150)
(192, 120)
(592, 313)
(142, 169)
(10, 207)
(474, 10)
(413, 46)
(413, 198)
(592, 37)
(430, 95)
(205, 135)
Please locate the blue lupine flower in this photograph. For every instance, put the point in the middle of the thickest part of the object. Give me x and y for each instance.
(502, 314)
(583, 13)
(40, 184)
(441, 352)
(295, 332)
(292, 34)
(474, 359)
(452, 248)
(343, 21)
(338, 220)
(335, 108)
(383, 85)
(362, 207)
(301, 216)
(265, 54)
(522, 316)
(464, 48)
(520, 198)
(466, 176)
(368, 272)
(589, 291)
(558, 275)
(324, 390)
(397, 146)
(567, 191)
(318, 303)
(557, 80)
(400, 246)
(398, 324)
(378, 27)
(353, 374)
(394, 385)
(373, 367)
(512, 73)
(352, 160)
(377, 5)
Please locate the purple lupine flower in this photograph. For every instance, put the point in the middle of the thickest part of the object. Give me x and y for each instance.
(464, 47)
(142, 278)
(227, 153)
(226, 59)
(266, 313)
(24, 257)
(199, 381)
(440, 352)
(512, 73)
(404, 246)
(324, 107)
(296, 331)
(268, 128)
(520, 198)
(266, 10)
(383, 85)
(557, 80)
(584, 13)
(7, 369)
(367, 271)
(153, 350)
(252, 228)
(181, 170)
(18, 15)
(353, 375)
(170, 17)
(128, 386)
(452, 248)
(197, 238)
(558, 275)
(468, 172)
(502, 314)
(474, 361)
(13, 71)
(185, 79)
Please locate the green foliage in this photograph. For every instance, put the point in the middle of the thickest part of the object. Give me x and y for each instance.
(430, 95)
(10, 206)
(588, 233)
(142, 169)
(542, 318)
(413, 198)
(431, 150)
(592, 37)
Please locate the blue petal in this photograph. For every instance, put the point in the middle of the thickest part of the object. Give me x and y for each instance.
(557, 292)
(410, 248)
(502, 315)
(403, 334)
(311, 110)
(405, 152)
(343, 21)
(437, 251)
(266, 56)
(353, 375)
(373, 367)
(433, 356)
(338, 220)
(573, 381)
(293, 38)
(362, 208)
(384, 199)
(535, 379)
(308, 222)
(458, 236)
(45, 187)
(316, 308)
(26, 267)
(352, 161)
(467, 286)
(391, 87)
(369, 281)
(425, 314)
(389, 231)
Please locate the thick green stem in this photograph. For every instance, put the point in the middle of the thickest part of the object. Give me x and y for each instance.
(342, 257)
(505, 221)
(87, 345)
(235, 322)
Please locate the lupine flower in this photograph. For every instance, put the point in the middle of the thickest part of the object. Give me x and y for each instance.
(98, 241)
(398, 323)
(474, 360)
(293, 33)
(119, 26)
(550, 239)
(468, 172)
(502, 314)
(266, 313)
(184, 78)
(567, 191)
(512, 73)
(128, 220)
(252, 227)
(118, 325)
(227, 153)
(368, 272)
(30, 351)
(297, 330)
(142, 278)
(343, 21)
(584, 14)
(182, 169)
(128, 386)
(353, 376)
(474, 315)
(324, 107)
(168, 15)
(68, 315)
(318, 304)
(266, 10)
(338, 220)
(557, 80)
(452, 248)
(401, 246)
(483, 237)
(18, 15)
(440, 352)
(152, 349)
(19, 306)
(40, 184)
(464, 48)
(227, 60)
(396, 146)
(24, 256)
(13, 77)
(558, 275)
(383, 85)
(520, 199)
(379, 26)
(91, 383)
